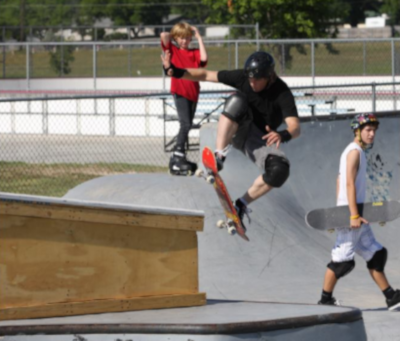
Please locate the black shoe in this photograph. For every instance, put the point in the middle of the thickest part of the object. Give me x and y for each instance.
(394, 302)
(242, 210)
(332, 301)
(179, 165)
(220, 161)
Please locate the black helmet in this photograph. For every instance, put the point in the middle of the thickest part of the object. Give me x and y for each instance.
(260, 64)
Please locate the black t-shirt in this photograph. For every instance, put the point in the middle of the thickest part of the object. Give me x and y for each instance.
(269, 106)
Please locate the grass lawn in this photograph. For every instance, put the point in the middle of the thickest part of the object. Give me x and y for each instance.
(346, 59)
(56, 179)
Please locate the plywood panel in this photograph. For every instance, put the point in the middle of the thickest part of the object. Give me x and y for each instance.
(58, 259)
(92, 307)
(55, 261)
(54, 210)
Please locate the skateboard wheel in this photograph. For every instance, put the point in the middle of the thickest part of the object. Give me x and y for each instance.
(210, 179)
(231, 230)
(382, 223)
(199, 173)
(220, 224)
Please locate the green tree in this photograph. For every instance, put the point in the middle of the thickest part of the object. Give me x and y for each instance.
(35, 17)
(135, 13)
(280, 19)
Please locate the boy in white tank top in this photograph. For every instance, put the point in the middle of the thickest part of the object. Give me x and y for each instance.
(350, 190)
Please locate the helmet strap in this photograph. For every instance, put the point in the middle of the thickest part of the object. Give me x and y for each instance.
(363, 145)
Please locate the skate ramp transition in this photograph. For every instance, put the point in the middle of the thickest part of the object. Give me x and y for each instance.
(284, 261)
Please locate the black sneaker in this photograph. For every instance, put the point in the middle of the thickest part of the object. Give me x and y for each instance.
(179, 165)
(220, 161)
(394, 302)
(332, 301)
(242, 210)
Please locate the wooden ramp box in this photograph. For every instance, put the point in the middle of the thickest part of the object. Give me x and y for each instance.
(65, 257)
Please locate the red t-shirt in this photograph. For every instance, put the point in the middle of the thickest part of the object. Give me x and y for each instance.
(185, 59)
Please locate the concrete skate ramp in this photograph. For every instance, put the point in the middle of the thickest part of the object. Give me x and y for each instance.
(285, 260)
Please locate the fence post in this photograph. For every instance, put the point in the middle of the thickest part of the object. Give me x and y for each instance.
(128, 31)
(28, 62)
(313, 63)
(12, 112)
(94, 66)
(78, 117)
(111, 105)
(4, 62)
(373, 97)
(45, 119)
(394, 74)
(258, 36)
(229, 48)
(364, 59)
(236, 55)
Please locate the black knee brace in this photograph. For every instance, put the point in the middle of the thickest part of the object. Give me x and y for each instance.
(342, 269)
(277, 170)
(236, 107)
(378, 260)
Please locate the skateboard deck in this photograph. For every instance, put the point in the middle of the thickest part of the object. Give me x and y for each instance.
(339, 216)
(232, 219)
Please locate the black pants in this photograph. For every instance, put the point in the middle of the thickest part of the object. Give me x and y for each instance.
(186, 110)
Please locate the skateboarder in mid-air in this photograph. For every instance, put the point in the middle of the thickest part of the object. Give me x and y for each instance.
(351, 189)
(251, 118)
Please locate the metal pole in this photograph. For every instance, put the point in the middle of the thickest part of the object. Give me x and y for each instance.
(364, 59)
(128, 30)
(229, 48)
(28, 60)
(394, 74)
(45, 121)
(4, 62)
(313, 63)
(236, 55)
(258, 36)
(94, 66)
(373, 97)
(111, 103)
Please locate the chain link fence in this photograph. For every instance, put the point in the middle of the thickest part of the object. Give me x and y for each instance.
(51, 144)
(295, 58)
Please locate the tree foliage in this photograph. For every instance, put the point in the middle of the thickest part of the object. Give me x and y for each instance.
(281, 18)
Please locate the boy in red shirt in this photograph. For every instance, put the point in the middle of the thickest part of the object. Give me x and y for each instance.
(185, 92)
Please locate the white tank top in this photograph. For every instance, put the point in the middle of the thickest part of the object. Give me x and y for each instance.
(361, 179)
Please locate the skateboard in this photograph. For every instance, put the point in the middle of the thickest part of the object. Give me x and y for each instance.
(339, 216)
(232, 222)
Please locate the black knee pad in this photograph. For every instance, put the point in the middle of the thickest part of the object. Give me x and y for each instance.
(342, 269)
(236, 107)
(277, 170)
(378, 260)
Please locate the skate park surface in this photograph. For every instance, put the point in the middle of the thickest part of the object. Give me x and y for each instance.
(284, 261)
